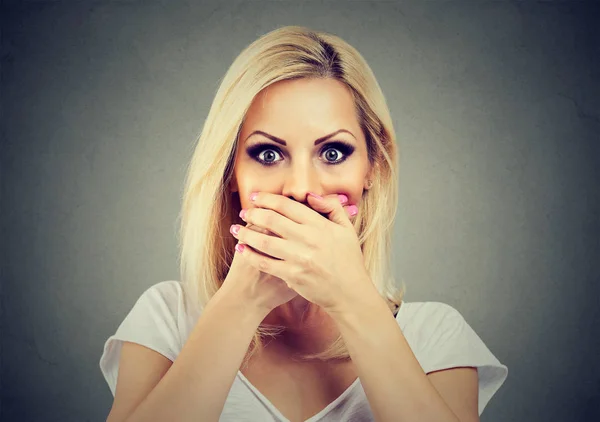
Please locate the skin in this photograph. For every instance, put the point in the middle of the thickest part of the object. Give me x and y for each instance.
(299, 112)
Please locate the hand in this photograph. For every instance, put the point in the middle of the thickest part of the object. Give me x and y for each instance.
(264, 289)
(318, 257)
(255, 286)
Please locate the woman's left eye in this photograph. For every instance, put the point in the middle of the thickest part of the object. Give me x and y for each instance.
(332, 152)
(332, 155)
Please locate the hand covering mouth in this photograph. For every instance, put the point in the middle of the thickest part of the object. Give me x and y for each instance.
(323, 214)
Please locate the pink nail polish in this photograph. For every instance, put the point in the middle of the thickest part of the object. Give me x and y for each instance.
(353, 210)
(234, 229)
(343, 198)
(253, 196)
(239, 248)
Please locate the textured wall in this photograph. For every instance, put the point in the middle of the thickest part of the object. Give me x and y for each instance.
(496, 107)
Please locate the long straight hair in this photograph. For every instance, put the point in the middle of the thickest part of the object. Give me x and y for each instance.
(209, 208)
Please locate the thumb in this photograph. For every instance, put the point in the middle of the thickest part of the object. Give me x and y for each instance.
(332, 207)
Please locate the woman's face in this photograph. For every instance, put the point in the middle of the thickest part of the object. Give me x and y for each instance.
(283, 159)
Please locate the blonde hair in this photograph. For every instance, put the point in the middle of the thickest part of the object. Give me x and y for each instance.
(208, 208)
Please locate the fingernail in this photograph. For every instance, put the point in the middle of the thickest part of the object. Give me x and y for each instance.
(242, 214)
(315, 195)
(253, 196)
(352, 210)
(234, 229)
(343, 198)
(239, 248)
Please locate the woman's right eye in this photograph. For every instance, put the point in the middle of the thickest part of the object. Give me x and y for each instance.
(268, 156)
(264, 154)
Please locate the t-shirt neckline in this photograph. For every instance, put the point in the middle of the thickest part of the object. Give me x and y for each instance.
(313, 418)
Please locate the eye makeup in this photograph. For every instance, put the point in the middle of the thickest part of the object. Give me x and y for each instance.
(346, 149)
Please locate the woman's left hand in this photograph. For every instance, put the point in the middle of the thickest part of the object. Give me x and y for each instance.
(320, 258)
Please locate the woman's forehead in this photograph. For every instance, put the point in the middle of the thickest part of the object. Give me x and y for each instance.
(311, 97)
(302, 107)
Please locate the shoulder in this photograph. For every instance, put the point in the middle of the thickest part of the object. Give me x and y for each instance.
(160, 319)
(441, 338)
(426, 319)
(435, 328)
(168, 290)
(169, 299)
(425, 314)
(154, 318)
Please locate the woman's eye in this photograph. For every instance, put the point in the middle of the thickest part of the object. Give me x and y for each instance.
(268, 156)
(332, 155)
(265, 154)
(337, 152)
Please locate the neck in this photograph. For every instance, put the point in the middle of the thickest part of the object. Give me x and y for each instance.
(297, 315)
(307, 327)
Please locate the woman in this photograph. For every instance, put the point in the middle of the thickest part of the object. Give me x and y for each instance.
(287, 213)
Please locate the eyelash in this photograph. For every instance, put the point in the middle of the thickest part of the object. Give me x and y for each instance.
(255, 150)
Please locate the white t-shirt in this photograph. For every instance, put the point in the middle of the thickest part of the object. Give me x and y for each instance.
(440, 338)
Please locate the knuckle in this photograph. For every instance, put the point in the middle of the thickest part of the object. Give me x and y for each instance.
(298, 274)
(269, 218)
(281, 206)
(265, 243)
(311, 240)
(263, 264)
(304, 260)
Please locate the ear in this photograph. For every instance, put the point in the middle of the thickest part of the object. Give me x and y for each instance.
(369, 177)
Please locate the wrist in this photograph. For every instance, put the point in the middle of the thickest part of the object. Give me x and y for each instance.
(236, 301)
(367, 303)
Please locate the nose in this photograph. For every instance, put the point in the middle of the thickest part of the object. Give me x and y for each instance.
(300, 179)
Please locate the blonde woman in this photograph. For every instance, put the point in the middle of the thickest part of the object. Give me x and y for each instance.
(287, 308)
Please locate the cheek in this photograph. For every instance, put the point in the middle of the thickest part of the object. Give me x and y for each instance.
(350, 184)
(244, 185)
(244, 199)
(354, 194)
(245, 191)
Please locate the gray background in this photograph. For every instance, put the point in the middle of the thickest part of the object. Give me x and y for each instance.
(496, 108)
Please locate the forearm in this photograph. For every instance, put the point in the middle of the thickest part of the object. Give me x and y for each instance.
(395, 385)
(196, 385)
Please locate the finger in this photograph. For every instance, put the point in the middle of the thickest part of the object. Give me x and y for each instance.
(293, 210)
(266, 264)
(259, 229)
(268, 245)
(272, 221)
(351, 210)
(332, 208)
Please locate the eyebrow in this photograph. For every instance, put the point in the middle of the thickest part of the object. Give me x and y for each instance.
(282, 142)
